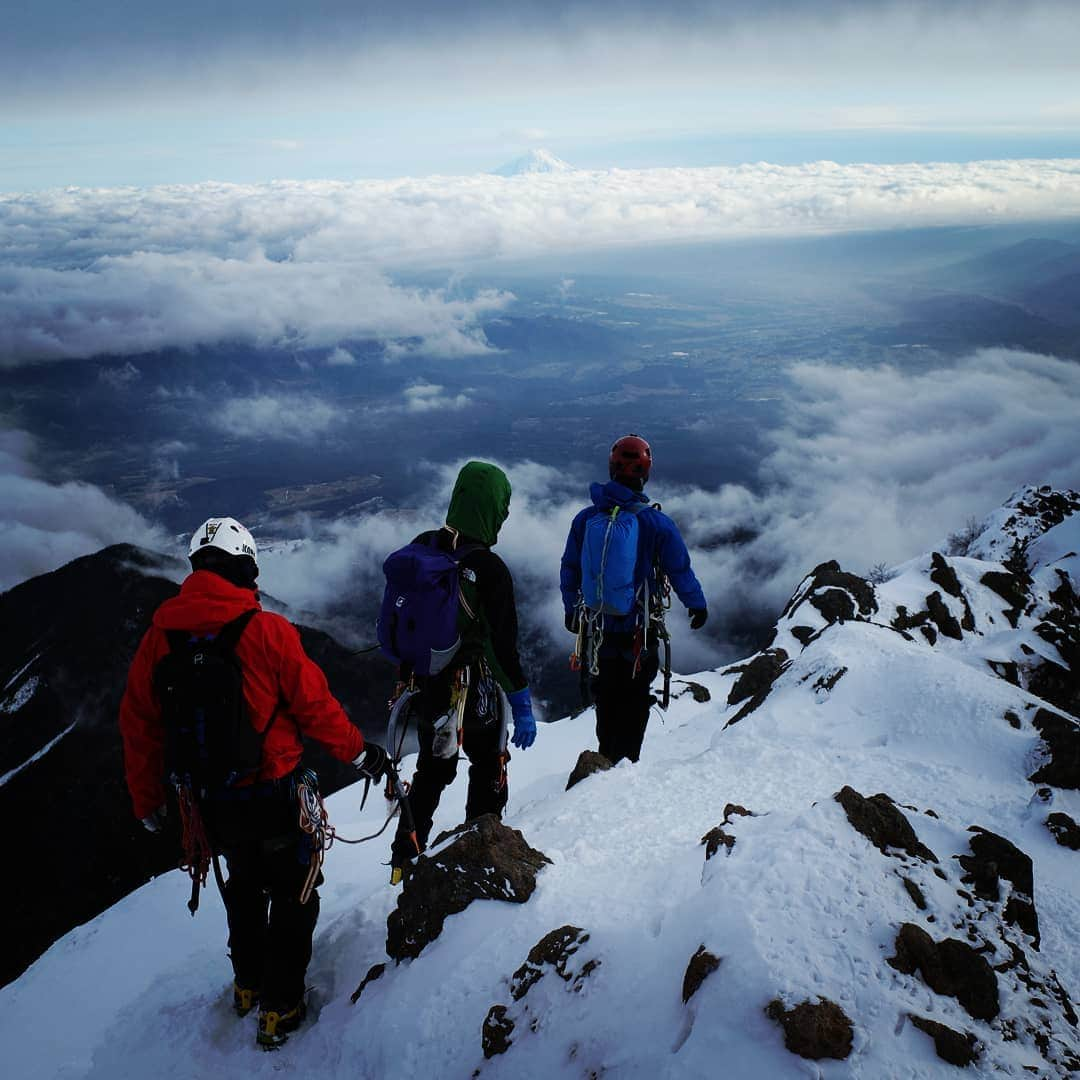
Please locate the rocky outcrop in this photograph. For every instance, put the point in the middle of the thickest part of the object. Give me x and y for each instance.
(588, 762)
(496, 1032)
(755, 681)
(950, 967)
(957, 1048)
(702, 964)
(1065, 830)
(1062, 738)
(376, 971)
(879, 820)
(814, 1030)
(943, 575)
(485, 860)
(552, 952)
(559, 953)
(994, 858)
(715, 839)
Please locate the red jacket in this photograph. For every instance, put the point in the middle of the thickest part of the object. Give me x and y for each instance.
(276, 670)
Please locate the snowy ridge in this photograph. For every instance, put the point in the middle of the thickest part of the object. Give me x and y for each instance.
(872, 688)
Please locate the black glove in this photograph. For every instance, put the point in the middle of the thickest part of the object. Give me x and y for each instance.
(698, 615)
(570, 621)
(372, 764)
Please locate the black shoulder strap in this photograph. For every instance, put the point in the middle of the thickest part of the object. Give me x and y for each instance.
(228, 636)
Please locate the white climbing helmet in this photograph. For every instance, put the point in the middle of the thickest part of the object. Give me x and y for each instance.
(226, 534)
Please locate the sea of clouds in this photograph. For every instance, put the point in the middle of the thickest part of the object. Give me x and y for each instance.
(870, 466)
(85, 272)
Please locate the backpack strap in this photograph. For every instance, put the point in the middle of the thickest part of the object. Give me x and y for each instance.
(228, 636)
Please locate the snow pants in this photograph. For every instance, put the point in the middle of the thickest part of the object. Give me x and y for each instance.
(482, 742)
(270, 931)
(623, 699)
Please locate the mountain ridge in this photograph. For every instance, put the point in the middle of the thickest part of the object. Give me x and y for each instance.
(878, 787)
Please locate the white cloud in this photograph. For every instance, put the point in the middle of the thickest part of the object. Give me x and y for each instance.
(43, 525)
(341, 358)
(121, 271)
(428, 397)
(872, 466)
(146, 300)
(290, 417)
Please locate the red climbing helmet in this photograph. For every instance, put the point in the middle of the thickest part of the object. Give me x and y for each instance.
(631, 458)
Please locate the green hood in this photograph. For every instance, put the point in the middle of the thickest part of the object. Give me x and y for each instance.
(480, 502)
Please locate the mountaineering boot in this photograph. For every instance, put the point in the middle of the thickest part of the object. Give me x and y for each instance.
(244, 1000)
(275, 1024)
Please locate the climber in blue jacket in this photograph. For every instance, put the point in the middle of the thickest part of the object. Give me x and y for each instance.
(614, 577)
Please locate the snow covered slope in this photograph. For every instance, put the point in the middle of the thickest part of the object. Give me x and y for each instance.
(533, 163)
(865, 689)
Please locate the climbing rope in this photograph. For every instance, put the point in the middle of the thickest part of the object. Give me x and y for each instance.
(196, 852)
(315, 822)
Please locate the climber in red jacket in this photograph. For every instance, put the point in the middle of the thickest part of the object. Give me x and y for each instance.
(252, 819)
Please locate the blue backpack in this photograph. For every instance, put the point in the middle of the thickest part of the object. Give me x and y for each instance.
(608, 560)
(418, 621)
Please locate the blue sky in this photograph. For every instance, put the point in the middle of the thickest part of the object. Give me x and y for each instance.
(112, 94)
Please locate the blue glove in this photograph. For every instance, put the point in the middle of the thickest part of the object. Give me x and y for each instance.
(524, 724)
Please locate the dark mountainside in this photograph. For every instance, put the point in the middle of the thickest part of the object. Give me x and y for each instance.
(66, 640)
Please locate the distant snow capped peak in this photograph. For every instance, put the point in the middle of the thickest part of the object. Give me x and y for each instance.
(535, 161)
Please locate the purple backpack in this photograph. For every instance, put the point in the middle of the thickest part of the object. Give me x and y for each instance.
(418, 621)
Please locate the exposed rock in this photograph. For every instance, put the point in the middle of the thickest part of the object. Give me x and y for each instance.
(486, 861)
(374, 972)
(1066, 831)
(803, 634)
(588, 762)
(714, 839)
(495, 1036)
(758, 675)
(1005, 669)
(827, 682)
(755, 681)
(828, 578)
(904, 621)
(878, 819)
(1011, 589)
(1062, 738)
(702, 965)
(994, 858)
(915, 893)
(699, 693)
(943, 617)
(943, 575)
(957, 1048)
(735, 810)
(553, 950)
(835, 605)
(814, 1030)
(1013, 719)
(950, 967)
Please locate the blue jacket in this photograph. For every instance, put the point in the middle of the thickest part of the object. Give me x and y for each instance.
(659, 542)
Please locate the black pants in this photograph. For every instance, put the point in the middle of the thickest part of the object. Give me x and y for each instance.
(270, 931)
(482, 743)
(623, 699)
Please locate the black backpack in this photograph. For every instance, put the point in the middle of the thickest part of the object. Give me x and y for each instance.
(210, 743)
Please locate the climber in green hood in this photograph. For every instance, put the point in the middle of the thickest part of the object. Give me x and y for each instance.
(460, 708)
